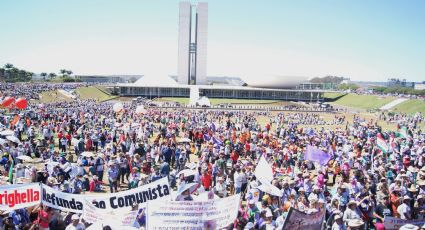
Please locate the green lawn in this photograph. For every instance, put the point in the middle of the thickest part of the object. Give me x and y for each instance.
(363, 101)
(332, 95)
(53, 96)
(410, 106)
(216, 101)
(92, 92)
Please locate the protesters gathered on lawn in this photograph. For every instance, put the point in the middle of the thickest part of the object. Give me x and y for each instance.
(345, 166)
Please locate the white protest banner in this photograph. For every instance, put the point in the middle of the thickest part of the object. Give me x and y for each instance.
(392, 223)
(91, 214)
(263, 171)
(18, 196)
(158, 190)
(296, 220)
(212, 214)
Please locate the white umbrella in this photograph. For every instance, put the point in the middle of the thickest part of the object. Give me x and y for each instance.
(190, 186)
(140, 109)
(2, 141)
(184, 140)
(13, 139)
(24, 158)
(187, 172)
(87, 154)
(118, 107)
(7, 132)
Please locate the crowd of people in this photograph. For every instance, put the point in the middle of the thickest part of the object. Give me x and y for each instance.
(33, 90)
(84, 147)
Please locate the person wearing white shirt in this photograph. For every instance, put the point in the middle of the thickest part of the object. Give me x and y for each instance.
(404, 209)
(338, 223)
(238, 178)
(221, 188)
(75, 224)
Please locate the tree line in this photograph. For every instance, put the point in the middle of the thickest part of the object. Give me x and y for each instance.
(399, 90)
(10, 73)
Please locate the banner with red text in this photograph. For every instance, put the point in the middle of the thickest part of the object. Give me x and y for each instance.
(18, 196)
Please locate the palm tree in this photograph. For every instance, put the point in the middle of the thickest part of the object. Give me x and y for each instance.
(8, 66)
(52, 75)
(63, 72)
(43, 75)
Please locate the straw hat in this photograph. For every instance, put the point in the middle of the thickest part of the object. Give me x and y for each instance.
(352, 202)
(412, 188)
(355, 223)
(75, 217)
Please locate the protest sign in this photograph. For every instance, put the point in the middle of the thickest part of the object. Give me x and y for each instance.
(297, 220)
(91, 214)
(212, 214)
(19, 196)
(263, 171)
(317, 155)
(157, 190)
(392, 223)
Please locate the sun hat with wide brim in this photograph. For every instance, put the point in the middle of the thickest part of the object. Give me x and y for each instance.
(190, 186)
(412, 188)
(352, 202)
(355, 223)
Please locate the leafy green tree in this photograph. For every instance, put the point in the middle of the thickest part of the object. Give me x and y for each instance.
(44, 75)
(51, 76)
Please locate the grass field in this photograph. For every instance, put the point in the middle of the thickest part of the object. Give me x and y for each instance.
(92, 92)
(53, 96)
(363, 101)
(332, 96)
(216, 101)
(410, 106)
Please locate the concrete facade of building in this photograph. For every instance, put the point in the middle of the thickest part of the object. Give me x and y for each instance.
(192, 47)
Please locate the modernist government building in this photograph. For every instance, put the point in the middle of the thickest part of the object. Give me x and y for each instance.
(192, 71)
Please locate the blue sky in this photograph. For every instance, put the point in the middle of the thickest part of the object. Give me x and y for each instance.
(363, 40)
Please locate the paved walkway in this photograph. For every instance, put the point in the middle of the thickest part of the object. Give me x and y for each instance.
(393, 103)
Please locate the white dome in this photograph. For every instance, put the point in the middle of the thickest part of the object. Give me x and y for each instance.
(275, 81)
(156, 81)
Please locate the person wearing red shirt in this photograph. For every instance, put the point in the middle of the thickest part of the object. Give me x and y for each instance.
(234, 156)
(68, 137)
(206, 180)
(95, 184)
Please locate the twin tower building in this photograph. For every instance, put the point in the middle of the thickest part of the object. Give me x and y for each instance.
(192, 52)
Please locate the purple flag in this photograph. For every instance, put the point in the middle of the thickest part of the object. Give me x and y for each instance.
(217, 141)
(212, 127)
(317, 155)
(207, 137)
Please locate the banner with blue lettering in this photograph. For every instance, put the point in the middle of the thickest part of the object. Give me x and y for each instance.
(158, 190)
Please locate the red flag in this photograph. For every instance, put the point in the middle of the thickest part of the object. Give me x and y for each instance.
(15, 120)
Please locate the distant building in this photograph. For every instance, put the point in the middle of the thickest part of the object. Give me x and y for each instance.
(395, 82)
(420, 86)
(108, 79)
